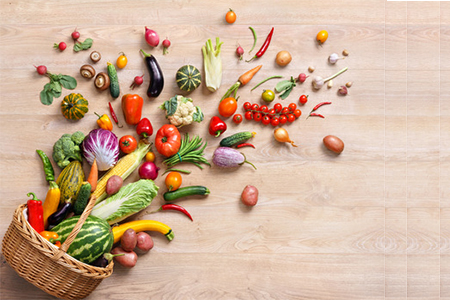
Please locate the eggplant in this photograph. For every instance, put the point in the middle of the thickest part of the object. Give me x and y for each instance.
(104, 260)
(156, 76)
(58, 216)
(226, 157)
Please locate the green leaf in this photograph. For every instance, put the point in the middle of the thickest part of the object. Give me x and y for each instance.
(83, 46)
(46, 97)
(68, 82)
(282, 85)
(286, 93)
(171, 106)
(198, 115)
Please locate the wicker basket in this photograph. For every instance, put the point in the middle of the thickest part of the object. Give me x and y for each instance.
(50, 268)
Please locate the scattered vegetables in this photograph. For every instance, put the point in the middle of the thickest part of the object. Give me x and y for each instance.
(87, 44)
(318, 81)
(345, 52)
(144, 128)
(75, 35)
(249, 195)
(311, 69)
(156, 75)
(41, 70)
(48, 168)
(67, 148)
(188, 78)
(333, 58)
(264, 46)
(93, 176)
(127, 144)
(302, 77)
(226, 157)
(150, 156)
(122, 60)
(151, 37)
(282, 136)
(180, 111)
(227, 107)
(303, 99)
(343, 90)
(237, 118)
(95, 56)
(217, 126)
(317, 107)
(186, 192)
(213, 65)
(240, 52)
(190, 151)
(138, 81)
(104, 122)
(132, 108)
(144, 241)
(102, 81)
(166, 45)
(87, 71)
(284, 87)
(103, 146)
(245, 145)
(128, 240)
(142, 225)
(74, 106)
(283, 58)
(349, 84)
(114, 87)
(173, 181)
(128, 259)
(176, 170)
(53, 89)
(113, 115)
(243, 80)
(177, 208)
(168, 140)
(51, 202)
(35, 212)
(330, 84)
(237, 138)
(230, 16)
(271, 77)
(255, 38)
(268, 95)
(333, 143)
(316, 115)
(61, 46)
(148, 170)
(322, 36)
(114, 184)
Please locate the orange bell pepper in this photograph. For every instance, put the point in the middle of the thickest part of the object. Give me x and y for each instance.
(132, 108)
(52, 237)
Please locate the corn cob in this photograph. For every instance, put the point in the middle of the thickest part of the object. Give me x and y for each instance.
(124, 167)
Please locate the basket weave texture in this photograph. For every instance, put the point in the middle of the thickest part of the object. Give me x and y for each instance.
(50, 268)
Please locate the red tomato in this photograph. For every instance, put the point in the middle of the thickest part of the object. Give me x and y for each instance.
(255, 107)
(290, 118)
(237, 118)
(263, 108)
(303, 99)
(272, 112)
(127, 144)
(247, 106)
(227, 107)
(168, 140)
(266, 120)
(248, 115)
(275, 121)
(257, 116)
(283, 119)
(278, 107)
(292, 107)
(285, 111)
(297, 113)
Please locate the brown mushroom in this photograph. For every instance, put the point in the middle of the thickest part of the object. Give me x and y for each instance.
(102, 81)
(95, 56)
(87, 71)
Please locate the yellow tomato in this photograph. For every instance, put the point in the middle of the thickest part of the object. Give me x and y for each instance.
(322, 36)
(230, 17)
(122, 61)
(150, 156)
(173, 181)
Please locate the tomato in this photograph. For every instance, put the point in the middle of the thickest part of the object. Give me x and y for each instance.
(173, 181)
(265, 120)
(263, 109)
(237, 118)
(290, 118)
(127, 144)
(248, 115)
(227, 107)
(272, 112)
(275, 121)
(247, 106)
(285, 110)
(230, 17)
(257, 116)
(297, 113)
(255, 107)
(268, 95)
(322, 36)
(278, 107)
(122, 61)
(150, 156)
(292, 107)
(303, 99)
(283, 119)
(168, 140)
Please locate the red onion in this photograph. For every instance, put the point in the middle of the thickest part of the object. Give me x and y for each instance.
(148, 170)
(151, 37)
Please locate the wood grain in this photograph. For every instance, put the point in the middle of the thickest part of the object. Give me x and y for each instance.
(371, 223)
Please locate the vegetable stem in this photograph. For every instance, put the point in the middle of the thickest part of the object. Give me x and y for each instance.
(335, 75)
(268, 78)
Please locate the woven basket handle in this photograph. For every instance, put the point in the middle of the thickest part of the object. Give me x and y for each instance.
(73, 234)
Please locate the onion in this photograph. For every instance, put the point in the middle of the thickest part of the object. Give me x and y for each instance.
(282, 136)
(151, 37)
(148, 170)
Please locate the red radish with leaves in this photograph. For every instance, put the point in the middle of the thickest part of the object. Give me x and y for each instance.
(42, 70)
(61, 46)
(166, 45)
(302, 77)
(240, 52)
(138, 80)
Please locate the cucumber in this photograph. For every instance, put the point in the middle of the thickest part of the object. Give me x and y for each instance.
(236, 138)
(82, 198)
(114, 81)
(186, 191)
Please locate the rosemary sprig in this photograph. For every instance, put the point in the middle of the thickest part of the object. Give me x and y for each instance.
(190, 151)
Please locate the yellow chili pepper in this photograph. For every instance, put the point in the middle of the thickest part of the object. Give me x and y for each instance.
(142, 225)
(104, 122)
(52, 237)
(51, 202)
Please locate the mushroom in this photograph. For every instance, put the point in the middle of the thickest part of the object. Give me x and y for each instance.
(87, 71)
(102, 81)
(95, 56)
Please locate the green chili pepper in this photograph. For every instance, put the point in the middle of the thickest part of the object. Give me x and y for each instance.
(254, 39)
(48, 168)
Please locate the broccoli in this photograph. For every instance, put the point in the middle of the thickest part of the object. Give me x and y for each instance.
(67, 148)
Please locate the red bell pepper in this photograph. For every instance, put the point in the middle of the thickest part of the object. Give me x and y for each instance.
(132, 108)
(144, 128)
(217, 126)
(35, 212)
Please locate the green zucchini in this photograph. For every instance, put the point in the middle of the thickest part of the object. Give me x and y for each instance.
(186, 191)
(236, 138)
(114, 81)
(83, 198)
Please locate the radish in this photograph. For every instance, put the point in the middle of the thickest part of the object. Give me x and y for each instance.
(138, 80)
(61, 46)
(75, 35)
(166, 45)
(42, 70)
(151, 37)
(302, 77)
(240, 52)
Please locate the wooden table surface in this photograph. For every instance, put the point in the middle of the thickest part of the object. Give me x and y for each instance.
(371, 223)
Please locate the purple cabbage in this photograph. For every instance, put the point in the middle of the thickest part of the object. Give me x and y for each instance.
(102, 145)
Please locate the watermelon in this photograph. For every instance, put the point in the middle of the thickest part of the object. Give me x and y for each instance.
(94, 239)
(188, 78)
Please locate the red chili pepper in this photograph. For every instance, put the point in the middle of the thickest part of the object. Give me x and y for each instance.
(113, 115)
(144, 128)
(263, 47)
(177, 208)
(319, 105)
(35, 213)
(316, 115)
(245, 145)
(217, 126)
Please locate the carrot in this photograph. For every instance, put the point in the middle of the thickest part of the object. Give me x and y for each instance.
(247, 76)
(93, 176)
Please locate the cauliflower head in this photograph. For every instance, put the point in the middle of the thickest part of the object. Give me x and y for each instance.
(67, 148)
(180, 111)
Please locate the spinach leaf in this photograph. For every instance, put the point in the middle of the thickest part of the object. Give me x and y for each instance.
(68, 82)
(46, 97)
(83, 46)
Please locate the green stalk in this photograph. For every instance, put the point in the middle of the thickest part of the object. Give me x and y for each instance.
(271, 77)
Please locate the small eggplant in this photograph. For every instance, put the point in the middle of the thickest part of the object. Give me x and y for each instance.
(58, 216)
(104, 260)
(226, 157)
(156, 76)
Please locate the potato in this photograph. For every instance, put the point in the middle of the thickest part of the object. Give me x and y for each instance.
(128, 240)
(249, 195)
(144, 241)
(127, 260)
(333, 143)
(113, 184)
(283, 58)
